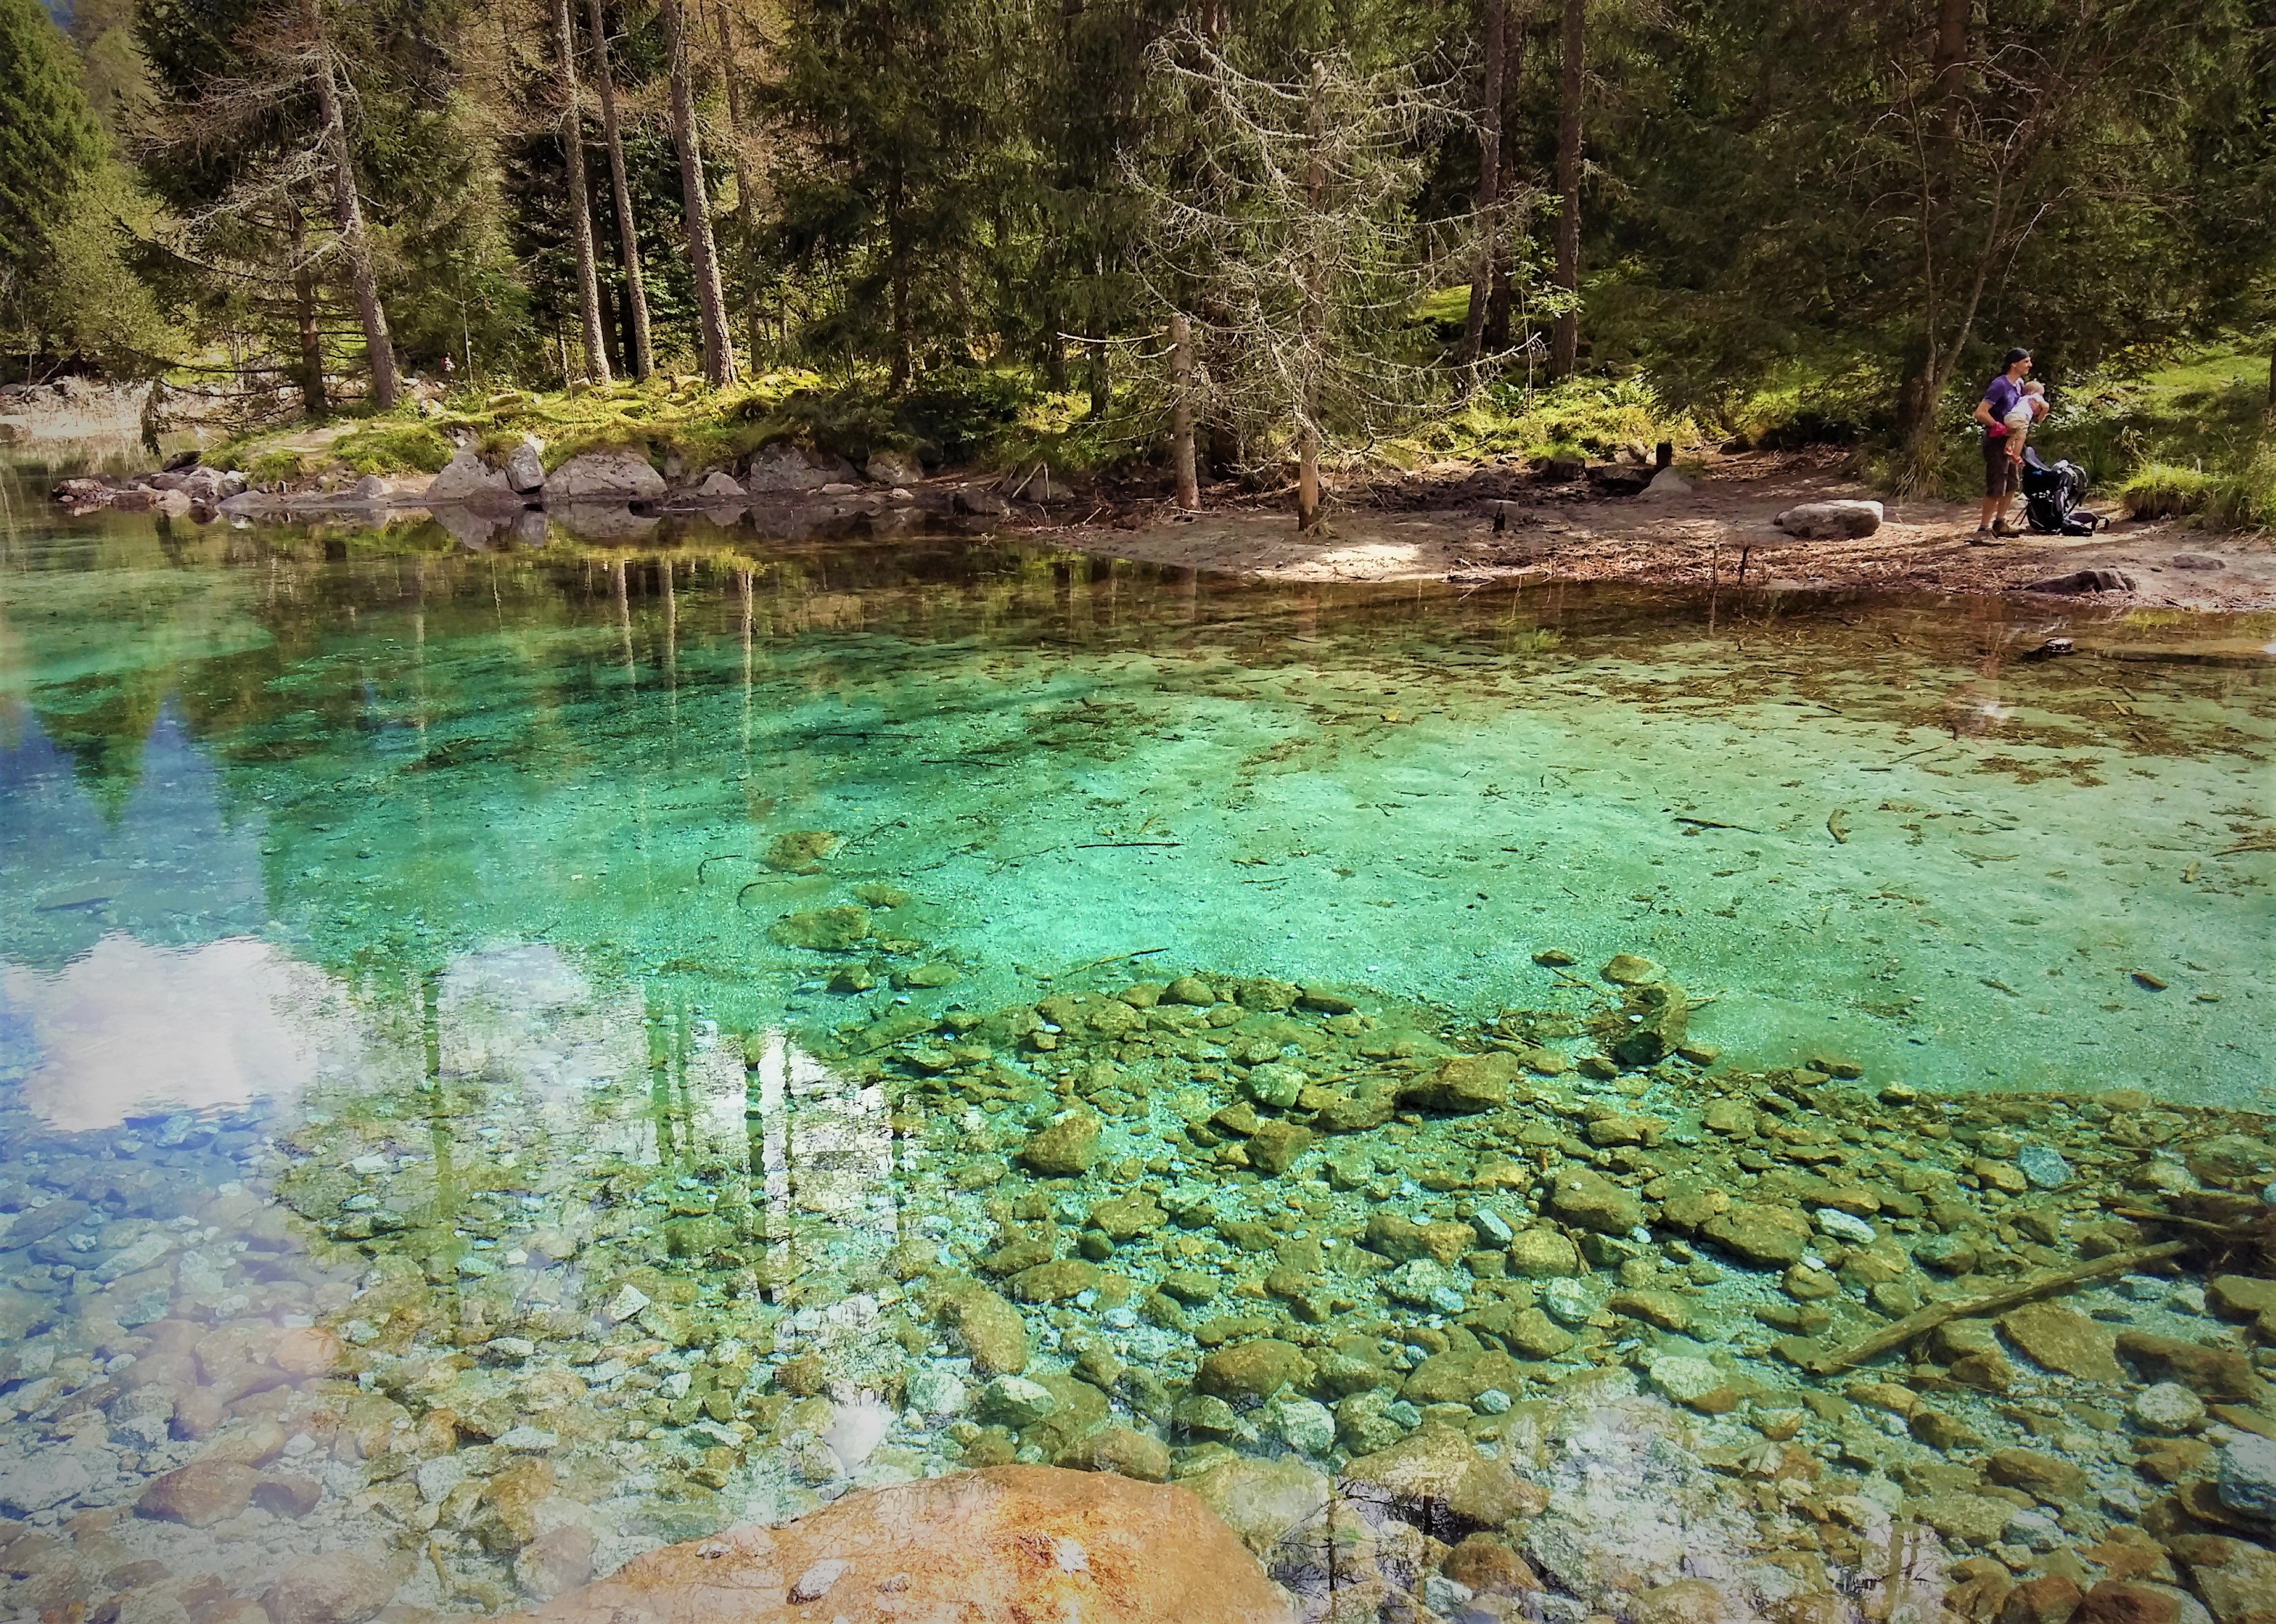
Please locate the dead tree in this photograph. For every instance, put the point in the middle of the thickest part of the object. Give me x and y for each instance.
(1283, 236)
(347, 207)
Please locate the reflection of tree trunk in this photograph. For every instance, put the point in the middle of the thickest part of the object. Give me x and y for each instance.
(710, 303)
(1565, 346)
(747, 198)
(643, 354)
(348, 211)
(1474, 327)
(580, 213)
(304, 310)
(1181, 412)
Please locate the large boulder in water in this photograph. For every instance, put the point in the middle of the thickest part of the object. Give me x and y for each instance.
(1014, 1542)
(1843, 520)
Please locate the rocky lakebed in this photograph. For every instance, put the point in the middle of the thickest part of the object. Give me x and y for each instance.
(1561, 1314)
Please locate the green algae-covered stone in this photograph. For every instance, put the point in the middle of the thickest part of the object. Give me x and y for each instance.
(1275, 1146)
(1591, 1200)
(1254, 1371)
(1126, 1218)
(1055, 1282)
(990, 1330)
(1765, 1236)
(1465, 1083)
(831, 929)
(1065, 1147)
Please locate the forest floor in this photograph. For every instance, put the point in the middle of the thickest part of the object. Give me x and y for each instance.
(1720, 534)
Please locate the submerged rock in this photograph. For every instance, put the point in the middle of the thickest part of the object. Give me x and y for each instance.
(1010, 1542)
(1065, 1147)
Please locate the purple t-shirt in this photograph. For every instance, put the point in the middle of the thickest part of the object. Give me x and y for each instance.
(2001, 396)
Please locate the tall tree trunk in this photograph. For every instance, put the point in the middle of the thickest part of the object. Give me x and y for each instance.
(1924, 380)
(703, 257)
(1308, 413)
(1565, 345)
(747, 197)
(1474, 327)
(304, 310)
(1181, 411)
(643, 353)
(347, 210)
(581, 210)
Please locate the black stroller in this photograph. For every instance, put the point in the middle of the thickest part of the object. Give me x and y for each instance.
(2051, 497)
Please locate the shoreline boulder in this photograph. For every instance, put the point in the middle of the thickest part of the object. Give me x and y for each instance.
(621, 476)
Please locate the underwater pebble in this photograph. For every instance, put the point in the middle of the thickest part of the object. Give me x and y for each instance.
(935, 1392)
(2044, 1166)
(2248, 1475)
(2168, 1407)
(1845, 1226)
(1306, 1426)
(816, 1582)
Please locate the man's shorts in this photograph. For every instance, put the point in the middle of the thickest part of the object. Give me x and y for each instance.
(1999, 470)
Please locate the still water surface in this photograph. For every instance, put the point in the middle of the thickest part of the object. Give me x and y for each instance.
(407, 949)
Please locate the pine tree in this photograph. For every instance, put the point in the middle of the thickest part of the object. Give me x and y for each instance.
(49, 141)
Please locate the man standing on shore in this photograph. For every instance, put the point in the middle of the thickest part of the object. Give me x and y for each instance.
(2001, 473)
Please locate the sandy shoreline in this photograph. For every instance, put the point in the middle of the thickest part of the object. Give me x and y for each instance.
(1720, 535)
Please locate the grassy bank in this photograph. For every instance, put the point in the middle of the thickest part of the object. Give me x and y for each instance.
(2188, 438)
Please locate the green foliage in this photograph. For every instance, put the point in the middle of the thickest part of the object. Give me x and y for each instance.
(49, 141)
(85, 298)
(386, 446)
(2161, 490)
(1583, 416)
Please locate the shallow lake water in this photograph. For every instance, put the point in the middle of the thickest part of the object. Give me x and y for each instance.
(509, 1055)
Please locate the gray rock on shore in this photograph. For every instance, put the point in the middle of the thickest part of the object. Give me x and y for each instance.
(620, 477)
(1839, 521)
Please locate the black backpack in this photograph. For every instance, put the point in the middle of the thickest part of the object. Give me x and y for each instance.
(2051, 496)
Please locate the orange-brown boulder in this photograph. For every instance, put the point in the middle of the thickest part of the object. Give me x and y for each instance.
(1011, 1542)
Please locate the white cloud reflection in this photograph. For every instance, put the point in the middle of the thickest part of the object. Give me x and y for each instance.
(128, 1029)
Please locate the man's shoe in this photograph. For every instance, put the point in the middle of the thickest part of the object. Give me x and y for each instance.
(2003, 530)
(1983, 536)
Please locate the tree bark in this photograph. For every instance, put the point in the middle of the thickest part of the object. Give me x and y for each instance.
(1949, 64)
(747, 198)
(1473, 327)
(347, 210)
(1926, 374)
(1181, 412)
(703, 257)
(1565, 345)
(581, 211)
(643, 352)
(1307, 425)
(303, 309)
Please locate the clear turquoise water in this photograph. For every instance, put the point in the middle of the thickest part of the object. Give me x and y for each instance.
(1941, 861)
(371, 908)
